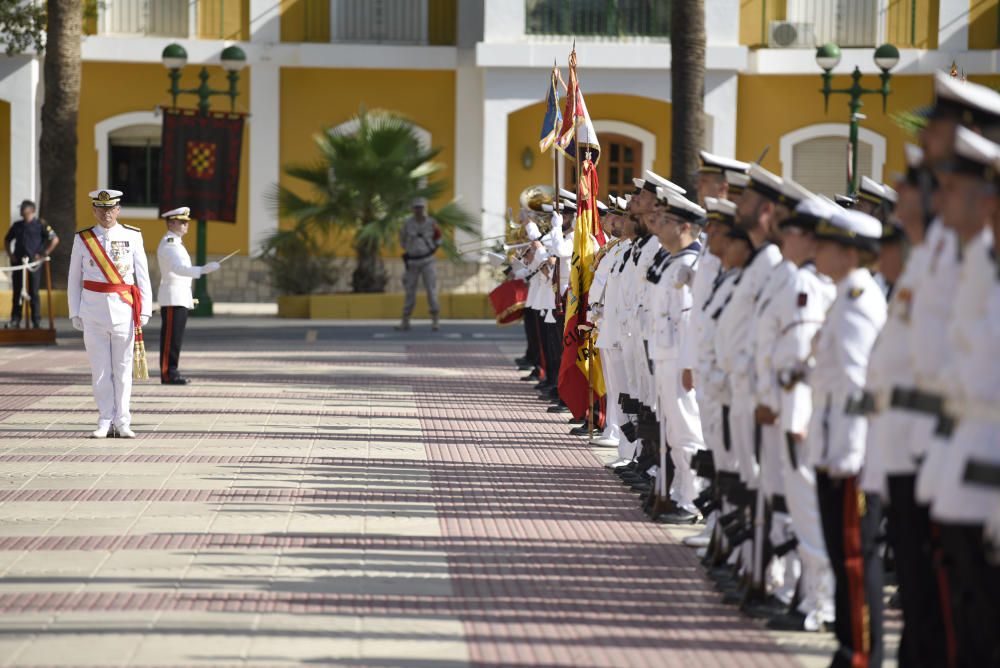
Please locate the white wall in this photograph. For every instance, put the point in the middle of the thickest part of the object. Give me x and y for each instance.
(20, 79)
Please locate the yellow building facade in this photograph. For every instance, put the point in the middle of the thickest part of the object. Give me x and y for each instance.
(472, 75)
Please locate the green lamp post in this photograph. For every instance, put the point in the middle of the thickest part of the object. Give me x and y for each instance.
(827, 57)
(233, 60)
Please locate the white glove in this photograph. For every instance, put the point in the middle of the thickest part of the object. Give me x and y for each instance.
(143, 319)
(78, 323)
(210, 267)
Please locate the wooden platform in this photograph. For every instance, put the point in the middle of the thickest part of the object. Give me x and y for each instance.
(27, 337)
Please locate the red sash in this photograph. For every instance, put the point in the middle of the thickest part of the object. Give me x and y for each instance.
(130, 294)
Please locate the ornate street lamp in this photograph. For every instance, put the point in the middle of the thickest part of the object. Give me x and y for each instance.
(828, 57)
(233, 60)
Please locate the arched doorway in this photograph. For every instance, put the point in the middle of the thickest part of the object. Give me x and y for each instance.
(621, 161)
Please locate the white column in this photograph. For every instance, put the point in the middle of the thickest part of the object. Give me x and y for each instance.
(953, 25)
(503, 20)
(720, 104)
(264, 122)
(469, 156)
(722, 22)
(20, 87)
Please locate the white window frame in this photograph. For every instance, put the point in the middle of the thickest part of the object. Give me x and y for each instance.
(791, 139)
(102, 133)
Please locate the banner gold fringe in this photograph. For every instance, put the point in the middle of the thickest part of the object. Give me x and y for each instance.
(140, 370)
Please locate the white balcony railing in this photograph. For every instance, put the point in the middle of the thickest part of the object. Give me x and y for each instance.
(849, 23)
(379, 21)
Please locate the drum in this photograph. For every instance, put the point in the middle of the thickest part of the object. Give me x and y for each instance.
(508, 300)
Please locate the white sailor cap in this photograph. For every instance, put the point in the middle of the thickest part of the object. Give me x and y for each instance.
(617, 204)
(654, 181)
(602, 208)
(180, 213)
(716, 164)
(720, 210)
(105, 198)
(680, 206)
(737, 182)
(844, 201)
(871, 190)
(766, 183)
(793, 193)
(566, 194)
(851, 228)
(967, 102)
(810, 212)
(889, 195)
(975, 155)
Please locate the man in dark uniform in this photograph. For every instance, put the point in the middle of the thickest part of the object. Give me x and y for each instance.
(28, 240)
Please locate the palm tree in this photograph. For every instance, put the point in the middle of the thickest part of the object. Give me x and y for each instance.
(363, 184)
(687, 89)
(57, 147)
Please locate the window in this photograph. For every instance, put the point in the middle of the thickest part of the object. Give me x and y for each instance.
(598, 18)
(820, 164)
(146, 17)
(621, 161)
(134, 163)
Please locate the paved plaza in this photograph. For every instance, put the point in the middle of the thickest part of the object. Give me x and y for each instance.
(337, 494)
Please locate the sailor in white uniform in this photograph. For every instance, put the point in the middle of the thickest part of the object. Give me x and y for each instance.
(99, 308)
(176, 274)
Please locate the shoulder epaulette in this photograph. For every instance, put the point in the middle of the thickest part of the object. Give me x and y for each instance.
(86, 230)
(131, 227)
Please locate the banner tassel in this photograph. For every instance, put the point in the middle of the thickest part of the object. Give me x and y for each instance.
(140, 370)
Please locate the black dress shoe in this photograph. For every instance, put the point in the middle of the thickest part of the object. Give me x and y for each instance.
(521, 361)
(176, 380)
(558, 408)
(534, 375)
(642, 487)
(582, 430)
(543, 386)
(793, 621)
(679, 516)
(764, 609)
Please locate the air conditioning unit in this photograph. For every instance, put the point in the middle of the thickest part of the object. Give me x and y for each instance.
(791, 35)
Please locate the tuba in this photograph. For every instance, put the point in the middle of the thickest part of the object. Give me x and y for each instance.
(532, 200)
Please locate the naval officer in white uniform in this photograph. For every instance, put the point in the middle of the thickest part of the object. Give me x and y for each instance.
(101, 311)
(176, 274)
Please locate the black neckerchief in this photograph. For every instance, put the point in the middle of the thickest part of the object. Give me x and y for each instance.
(660, 263)
(642, 242)
(716, 284)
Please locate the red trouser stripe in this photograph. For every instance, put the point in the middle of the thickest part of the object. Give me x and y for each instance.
(855, 566)
(167, 335)
(944, 592)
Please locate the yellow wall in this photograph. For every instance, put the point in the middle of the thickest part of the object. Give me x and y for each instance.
(763, 118)
(523, 129)
(224, 19)
(6, 206)
(313, 99)
(755, 17)
(983, 24)
(305, 20)
(900, 28)
(140, 87)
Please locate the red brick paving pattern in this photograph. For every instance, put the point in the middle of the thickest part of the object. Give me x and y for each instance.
(551, 562)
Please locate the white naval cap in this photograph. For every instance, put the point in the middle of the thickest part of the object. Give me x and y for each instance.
(851, 228)
(970, 103)
(793, 193)
(602, 208)
(180, 213)
(716, 164)
(105, 197)
(680, 206)
(721, 210)
(766, 183)
(566, 194)
(654, 181)
(737, 182)
(975, 155)
(810, 212)
(890, 195)
(871, 190)
(845, 201)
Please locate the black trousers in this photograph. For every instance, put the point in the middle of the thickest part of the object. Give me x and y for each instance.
(975, 613)
(924, 640)
(533, 352)
(553, 341)
(173, 320)
(850, 527)
(34, 281)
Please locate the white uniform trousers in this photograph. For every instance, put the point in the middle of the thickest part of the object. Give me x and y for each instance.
(630, 376)
(803, 506)
(613, 366)
(783, 571)
(681, 429)
(741, 432)
(109, 348)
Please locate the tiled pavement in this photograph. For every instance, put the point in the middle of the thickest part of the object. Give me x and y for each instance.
(382, 502)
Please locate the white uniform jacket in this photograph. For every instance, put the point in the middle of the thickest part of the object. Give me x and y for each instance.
(836, 439)
(800, 312)
(671, 299)
(710, 379)
(778, 291)
(176, 272)
(123, 244)
(604, 296)
(708, 269)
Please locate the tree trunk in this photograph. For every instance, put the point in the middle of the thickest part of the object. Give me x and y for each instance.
(57, 148)
(687, 89)
(369, 274)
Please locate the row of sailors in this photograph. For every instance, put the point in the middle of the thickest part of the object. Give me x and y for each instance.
(760, 371)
